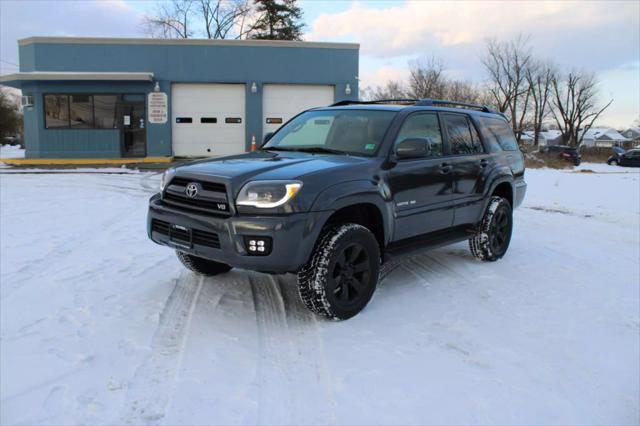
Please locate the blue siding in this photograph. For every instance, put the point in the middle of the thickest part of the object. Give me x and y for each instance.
(170, 64)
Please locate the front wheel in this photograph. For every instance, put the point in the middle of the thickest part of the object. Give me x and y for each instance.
(491, 241)
(613, 162)
(341, 276)
(202, 266)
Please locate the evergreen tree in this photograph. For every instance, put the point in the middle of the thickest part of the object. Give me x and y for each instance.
(10, 117)
(279, 20)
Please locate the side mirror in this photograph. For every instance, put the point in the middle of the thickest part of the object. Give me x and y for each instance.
(267, 137)
(413, 148)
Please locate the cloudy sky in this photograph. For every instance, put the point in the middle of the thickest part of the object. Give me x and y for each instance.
(603, 37)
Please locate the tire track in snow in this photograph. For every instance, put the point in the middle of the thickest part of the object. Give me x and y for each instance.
(151, 389)
(289, 391)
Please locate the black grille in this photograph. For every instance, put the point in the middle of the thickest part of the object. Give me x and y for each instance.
(211, 200)
(202, 238)
(160, 226)
(205, 206)
(208, 239)
(207, 186)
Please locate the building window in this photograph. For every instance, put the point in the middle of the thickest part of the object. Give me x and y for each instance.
(80, 111)
(104, 107)
(56, 109)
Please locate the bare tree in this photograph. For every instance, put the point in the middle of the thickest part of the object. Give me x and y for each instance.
(213, 19)
(539, 78)
(574, 100)
(506, 64)
(170, 20)
(426, 79)
(223, 18)
(391, 90)
(465, 91)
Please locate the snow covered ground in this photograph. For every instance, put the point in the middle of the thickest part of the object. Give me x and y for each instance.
(100, 326)
(11, 151)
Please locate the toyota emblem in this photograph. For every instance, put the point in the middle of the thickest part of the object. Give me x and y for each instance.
(191, 190)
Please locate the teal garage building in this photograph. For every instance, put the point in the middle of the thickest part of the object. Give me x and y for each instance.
(115, 98)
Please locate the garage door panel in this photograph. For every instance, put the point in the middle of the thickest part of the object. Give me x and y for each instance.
(281, 102)
(208, 119)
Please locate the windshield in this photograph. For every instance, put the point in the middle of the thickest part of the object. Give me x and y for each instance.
(357, 132)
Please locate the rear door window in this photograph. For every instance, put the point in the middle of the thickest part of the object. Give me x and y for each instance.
(463, 136)
(498, 131)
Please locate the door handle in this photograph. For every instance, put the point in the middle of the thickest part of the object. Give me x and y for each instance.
(445, 168)
(484, 163)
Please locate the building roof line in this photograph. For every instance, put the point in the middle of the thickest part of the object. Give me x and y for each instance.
(76, 75)
(200, 42)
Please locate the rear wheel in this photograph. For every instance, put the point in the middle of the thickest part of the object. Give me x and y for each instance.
(202, 266)
(492, 239)
(613, 162)
(341, 276)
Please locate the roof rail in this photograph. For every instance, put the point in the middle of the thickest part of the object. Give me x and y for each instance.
(439, 102)
(378, 101)
(422, 102)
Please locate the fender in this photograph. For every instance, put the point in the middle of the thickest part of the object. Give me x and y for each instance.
(497, 176)
(349, 193)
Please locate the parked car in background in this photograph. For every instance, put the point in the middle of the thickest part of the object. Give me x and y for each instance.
(12, 140)
(630, 158)
(563, 152)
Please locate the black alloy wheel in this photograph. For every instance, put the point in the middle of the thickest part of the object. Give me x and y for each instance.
(500, 231)
(350, 276)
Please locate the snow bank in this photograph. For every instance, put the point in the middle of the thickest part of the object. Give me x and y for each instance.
(11, 151)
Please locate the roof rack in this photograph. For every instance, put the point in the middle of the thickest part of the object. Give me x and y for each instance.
(422, 102)
(378, 101)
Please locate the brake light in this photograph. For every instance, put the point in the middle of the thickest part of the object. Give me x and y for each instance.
(564, 154)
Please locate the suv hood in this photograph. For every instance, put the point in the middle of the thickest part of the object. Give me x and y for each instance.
(262, 165)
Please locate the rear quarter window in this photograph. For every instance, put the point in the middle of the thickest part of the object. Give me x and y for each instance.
(498, 134)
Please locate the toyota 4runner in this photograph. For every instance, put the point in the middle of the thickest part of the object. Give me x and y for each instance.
(336, 191)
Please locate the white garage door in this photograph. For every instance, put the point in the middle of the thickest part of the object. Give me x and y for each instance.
(207, 119)
(280, 102)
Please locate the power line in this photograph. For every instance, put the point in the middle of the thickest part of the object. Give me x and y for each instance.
(10, 63)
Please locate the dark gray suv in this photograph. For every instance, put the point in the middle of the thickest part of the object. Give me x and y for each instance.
(338, 190)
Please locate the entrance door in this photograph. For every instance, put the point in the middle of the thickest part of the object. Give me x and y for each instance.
(134, 132)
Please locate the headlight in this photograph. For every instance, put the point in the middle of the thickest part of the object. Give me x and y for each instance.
(268, 194)
(166, 177)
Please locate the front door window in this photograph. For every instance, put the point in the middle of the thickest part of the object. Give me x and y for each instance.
(134, 133)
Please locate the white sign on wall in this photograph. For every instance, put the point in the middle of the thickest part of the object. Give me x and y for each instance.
(157, 107)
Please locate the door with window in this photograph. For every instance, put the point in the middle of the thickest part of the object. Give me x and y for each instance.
(467, 160)
(134, 132)
(421, 187)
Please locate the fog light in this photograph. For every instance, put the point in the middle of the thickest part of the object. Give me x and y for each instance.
(258, 246)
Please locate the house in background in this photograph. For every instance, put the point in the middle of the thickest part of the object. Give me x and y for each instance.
(632, 133)
(603, 137)
(547, 137)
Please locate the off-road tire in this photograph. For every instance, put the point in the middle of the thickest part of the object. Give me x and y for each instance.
(481, 243)
(202, 266)
(317, 284)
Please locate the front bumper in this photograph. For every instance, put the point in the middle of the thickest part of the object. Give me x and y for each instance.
(293, 236)
(520, 191)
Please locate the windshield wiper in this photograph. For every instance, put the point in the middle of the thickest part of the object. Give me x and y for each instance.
(275, 148)
(319, 150)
